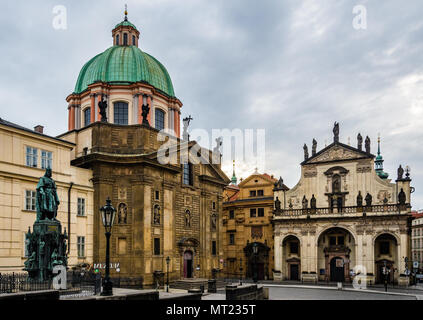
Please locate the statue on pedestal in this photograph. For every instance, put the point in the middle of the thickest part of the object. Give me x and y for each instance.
(102, 105)
(314, 148)
(336, 132)
(367, 144)
(359, 142)
(46, 245)
(144, 112)
(305, 152)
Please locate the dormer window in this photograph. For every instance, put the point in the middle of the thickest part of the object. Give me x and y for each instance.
(125, 39)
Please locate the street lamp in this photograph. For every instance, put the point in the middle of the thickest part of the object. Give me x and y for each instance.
(255, 251)
(167, 280)
(385, 272)
(108, 214)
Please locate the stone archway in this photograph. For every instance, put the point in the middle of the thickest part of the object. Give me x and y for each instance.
(386, 256)
(257, 262)
(291, 258)
(335, 254)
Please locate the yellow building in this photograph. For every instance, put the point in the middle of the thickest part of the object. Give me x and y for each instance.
(247, 215)
(24, 155)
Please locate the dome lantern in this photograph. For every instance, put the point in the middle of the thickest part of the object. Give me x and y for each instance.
(125, 33)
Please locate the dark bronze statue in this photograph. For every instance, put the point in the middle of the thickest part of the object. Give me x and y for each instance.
(186, 121)
(368, 200)
(367, 144)
(336, 132)
(277, 204)
(102, 105)
(314, 147)
(359, 199)
(47, 200)
(359, 142)
(305, 152)
(313, 204)
(400, 173)
(144, 113)
(46, 245)
(402, 197)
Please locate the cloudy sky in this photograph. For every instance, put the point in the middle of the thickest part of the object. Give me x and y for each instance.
(290, 67)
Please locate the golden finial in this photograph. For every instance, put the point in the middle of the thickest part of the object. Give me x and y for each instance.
(126, 12)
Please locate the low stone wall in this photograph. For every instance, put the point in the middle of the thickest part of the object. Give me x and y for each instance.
(31, 295)
(245, 292)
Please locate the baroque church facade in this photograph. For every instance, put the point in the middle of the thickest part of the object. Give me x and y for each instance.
(343, 218)
(122, 99)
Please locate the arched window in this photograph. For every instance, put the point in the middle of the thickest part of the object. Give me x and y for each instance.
(133, 40)
(87, 116)
(125, 39)
(120, 112)
(159, 119)
(117, 40)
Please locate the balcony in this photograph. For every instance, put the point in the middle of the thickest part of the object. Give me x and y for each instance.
(353, 211)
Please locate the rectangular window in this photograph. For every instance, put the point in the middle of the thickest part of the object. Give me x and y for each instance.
(159, 119)
(125, 39)
(332, 241)
(214, 205)
(187, 174)
(231, 239)
(31, 157)
(157, 195)
(87, 116)
(214, 248)
(384, 247)
(133, 40)
(81, 207)
(260, 212)
(231, 214)
(253, 213)
(120, 113)
(260, 193)
(156, 246)
(30, 200)
(252, 193)
(81, 247)
(46, 159)
(341, 241)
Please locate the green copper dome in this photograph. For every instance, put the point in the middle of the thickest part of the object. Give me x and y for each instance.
(125, 65)
(126, 23)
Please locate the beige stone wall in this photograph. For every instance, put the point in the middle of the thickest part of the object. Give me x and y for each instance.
(16, 178)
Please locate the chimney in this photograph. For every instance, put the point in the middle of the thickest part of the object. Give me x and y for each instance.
(39, 129)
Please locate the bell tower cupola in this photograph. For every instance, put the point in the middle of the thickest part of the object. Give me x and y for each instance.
(125, 33)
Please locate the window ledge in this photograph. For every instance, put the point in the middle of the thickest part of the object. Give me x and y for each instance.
(81, 215)
(30, 211)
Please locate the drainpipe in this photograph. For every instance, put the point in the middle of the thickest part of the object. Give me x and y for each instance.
(69, 215)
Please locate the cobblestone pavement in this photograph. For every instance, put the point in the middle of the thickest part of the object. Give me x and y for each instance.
(313, 293)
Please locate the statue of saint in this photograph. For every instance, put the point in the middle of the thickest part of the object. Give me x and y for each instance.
(368, 200)
(144, 113)
(367, 144)
(336, 132)
(314, 147)
(156, 218)
(186, 121)
(213, 222)
(359, 199)
(313, 202)
(402, 197)
(102, 105)
(187, 219)
(400, 173)
(47, 200)
(122, 213)
(305, 202)
(277, 204)
(305, 152)
(55, 259)
(359, 142)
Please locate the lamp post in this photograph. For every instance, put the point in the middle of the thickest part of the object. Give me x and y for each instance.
(167, 280)
(385, 272)
(108, 214)
(240, 271)
(255, 251)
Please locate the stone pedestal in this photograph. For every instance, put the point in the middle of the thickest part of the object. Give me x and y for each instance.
(46, 248)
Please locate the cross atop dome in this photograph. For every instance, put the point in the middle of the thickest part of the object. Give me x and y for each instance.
(126, 12)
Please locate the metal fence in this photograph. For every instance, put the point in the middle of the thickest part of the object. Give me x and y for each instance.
(89, 284)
